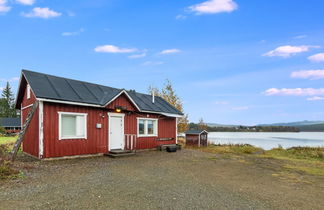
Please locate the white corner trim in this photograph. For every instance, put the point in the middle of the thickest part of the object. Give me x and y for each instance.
(41, 129)
(121, 92)
(28, 91)
(74, 114)
(145, 127)
(176, 134)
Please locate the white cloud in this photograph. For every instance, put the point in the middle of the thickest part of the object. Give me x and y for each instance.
(74, 33)
(4, 8)
(288, 50)
(181, 17)
(315, 98)
(213, 7)
(152, 63)
(300, 37)
(137, 56)
(170, 51)
(240, 108)
(308, 74)
(317, 57)
(294, 92)
(113, 49)
(1, 88)
(26, 2)
(42, 13)
(221, 102)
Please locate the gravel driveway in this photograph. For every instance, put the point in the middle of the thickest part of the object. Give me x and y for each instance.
(186, 179)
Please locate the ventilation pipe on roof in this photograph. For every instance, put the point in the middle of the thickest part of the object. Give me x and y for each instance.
(153, 97)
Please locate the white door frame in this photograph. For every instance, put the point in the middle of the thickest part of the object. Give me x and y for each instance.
(113, 114)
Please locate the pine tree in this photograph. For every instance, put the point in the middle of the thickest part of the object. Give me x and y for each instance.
(168, 94)
(7, 106)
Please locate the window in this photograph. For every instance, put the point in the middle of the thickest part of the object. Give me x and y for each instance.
(72, 125)
(28, 91)
(147, 127)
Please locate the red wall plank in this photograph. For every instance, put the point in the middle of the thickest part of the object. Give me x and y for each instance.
(96, 141)
(123, 101)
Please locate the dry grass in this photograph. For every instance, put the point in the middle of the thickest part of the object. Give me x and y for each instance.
(7, 170)
(295, 160)
(304, 153)
(230, 149)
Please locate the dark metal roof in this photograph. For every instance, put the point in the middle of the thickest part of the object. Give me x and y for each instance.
(195, 131)
(63, 89)
(10, 122)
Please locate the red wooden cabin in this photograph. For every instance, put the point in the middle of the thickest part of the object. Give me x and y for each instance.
(11, 125)
(80, 118)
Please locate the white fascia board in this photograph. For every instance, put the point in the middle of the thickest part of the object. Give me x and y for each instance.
(121, 92)
(171, 115)
(68, 102)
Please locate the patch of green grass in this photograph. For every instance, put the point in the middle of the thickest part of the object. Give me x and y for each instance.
(309, 168)
(303, 153)
(7, 140)
(293, 161)
(309, 160)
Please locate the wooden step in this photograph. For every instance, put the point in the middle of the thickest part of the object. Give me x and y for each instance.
(125, 154)
(119, 151)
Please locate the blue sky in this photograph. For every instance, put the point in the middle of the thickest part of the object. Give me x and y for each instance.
(231, 61)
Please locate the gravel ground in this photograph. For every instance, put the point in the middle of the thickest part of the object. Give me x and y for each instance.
(186, 179)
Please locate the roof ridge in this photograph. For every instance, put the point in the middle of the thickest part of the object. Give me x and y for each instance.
(91, 83)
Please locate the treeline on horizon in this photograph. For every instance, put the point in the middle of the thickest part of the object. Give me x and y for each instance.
(195, 126)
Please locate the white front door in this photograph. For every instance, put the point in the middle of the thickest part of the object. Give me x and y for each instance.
(116, 131)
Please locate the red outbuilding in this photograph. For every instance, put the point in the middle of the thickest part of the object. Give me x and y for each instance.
(81, 118)
(197, 138)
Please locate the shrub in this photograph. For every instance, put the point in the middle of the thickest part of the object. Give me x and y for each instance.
(307, 152)
(299, 152)
(6, 168)
(2, 130)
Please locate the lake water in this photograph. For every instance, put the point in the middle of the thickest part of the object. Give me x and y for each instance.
(268, 140)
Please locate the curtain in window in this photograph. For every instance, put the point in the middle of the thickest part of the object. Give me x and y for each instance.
(68, 125)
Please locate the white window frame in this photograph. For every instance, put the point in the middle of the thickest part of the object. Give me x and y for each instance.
(28, 91)
(155, 128)
(85, 115)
